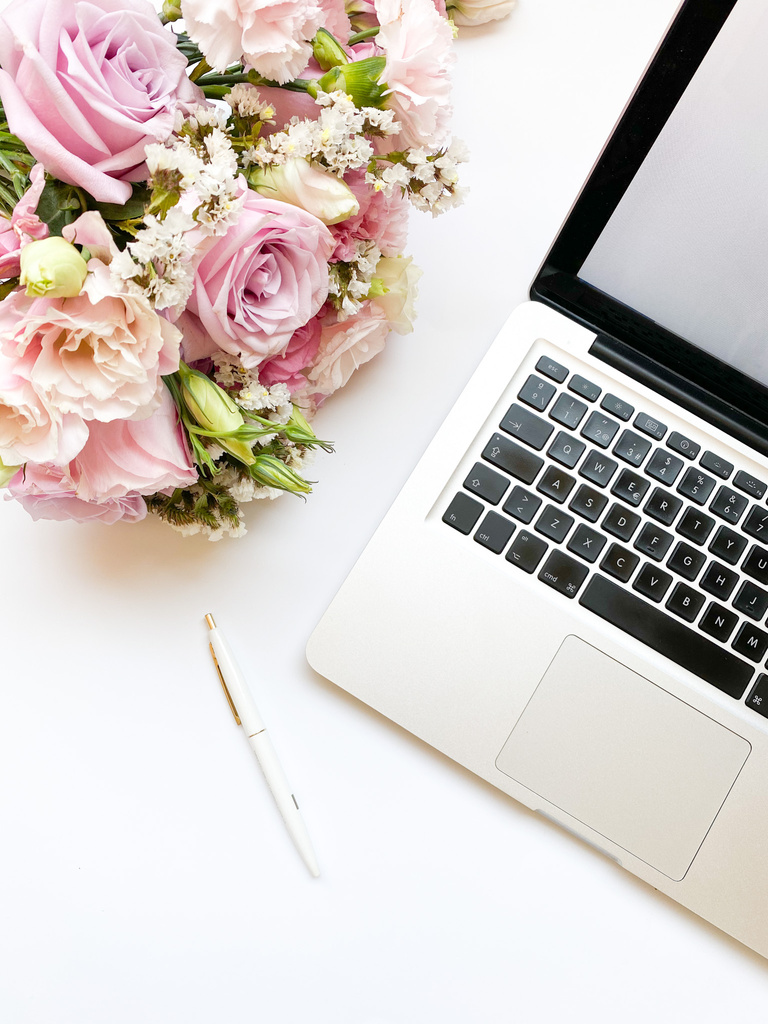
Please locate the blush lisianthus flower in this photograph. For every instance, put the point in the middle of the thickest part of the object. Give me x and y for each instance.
(344, 347)
(417, 44)
(87, 85)
(258, 283)
(270, 35)
(49, 492)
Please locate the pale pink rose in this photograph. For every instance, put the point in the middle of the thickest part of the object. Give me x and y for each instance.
(87, 84)
(126, 456)
(270, 35)
(31, 428)
(417, 43)
(301, 352)
(258, 283)
(345, 346)
(384, 219)
(100, 355)
(48, 492)
(23, 226)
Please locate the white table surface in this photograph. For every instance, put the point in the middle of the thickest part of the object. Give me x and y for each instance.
(145, 875)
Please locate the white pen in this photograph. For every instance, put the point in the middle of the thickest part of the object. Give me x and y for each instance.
(246, 714)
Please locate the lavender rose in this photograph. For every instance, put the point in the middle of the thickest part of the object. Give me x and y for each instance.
(258, 283)
(86, 85)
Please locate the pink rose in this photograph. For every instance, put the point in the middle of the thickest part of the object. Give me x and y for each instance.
(24, 226)
(258, 283)
(270, 35)
(48, 492)
(100, 355)
(345, 346)
(87, 84)
(381, 218)
(417, 43)
(300, 353)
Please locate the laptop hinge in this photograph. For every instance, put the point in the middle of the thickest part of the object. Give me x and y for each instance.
(674, 386)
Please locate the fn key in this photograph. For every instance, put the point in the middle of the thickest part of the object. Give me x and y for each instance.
(563, 573)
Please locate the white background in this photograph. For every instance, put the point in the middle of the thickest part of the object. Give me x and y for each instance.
(145, 875)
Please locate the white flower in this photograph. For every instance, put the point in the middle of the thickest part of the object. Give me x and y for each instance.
(478, 12)
(397, 277)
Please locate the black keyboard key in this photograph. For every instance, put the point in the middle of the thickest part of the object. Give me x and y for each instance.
(525, 426)
(463, 513)
(662, 506)
(713, 463)
(568, 411)
(536, 392)
(685, 602)
(684, 445)
(617, 407)
(552, 369)
(563, 573)
(619, 562)
(588, 503)
(556, 484)
(728, 545)
(566, 449)
(719, 622)
(751, 600)
(756, 564)
(526, 551)
(581, 386)
(695, 525)
(686, 561)
(587, 543)
(664, 467)
(751, 642)
(554, 523)
(648, 425)
(682, 645)
(598, 468)
(482, 481)
(749, 484)
(719, 581)
(756, 523)
(653, 541)
(630, 487)
(652, 582)
(728, 505)
(599, 429)
(494, 532)
(512, 458)
(696, 485)
(521, 504)
(631, 447)
(621, 522)
(758, 696)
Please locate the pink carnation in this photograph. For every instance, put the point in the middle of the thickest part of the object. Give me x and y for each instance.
(87, 85)
(300, 353)
(270, 35)
(24, 226)
(384, 219)
(48, 492)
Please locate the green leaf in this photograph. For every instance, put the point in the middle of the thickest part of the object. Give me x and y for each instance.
(131, 210)
(59, 205)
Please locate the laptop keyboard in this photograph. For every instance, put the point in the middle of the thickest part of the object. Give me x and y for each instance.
(607, 506)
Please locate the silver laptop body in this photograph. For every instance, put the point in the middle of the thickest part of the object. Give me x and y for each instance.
(569, 596)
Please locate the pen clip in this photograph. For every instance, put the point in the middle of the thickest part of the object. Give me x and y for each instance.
(224, 686)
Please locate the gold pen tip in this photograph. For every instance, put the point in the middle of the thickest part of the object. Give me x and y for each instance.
(209, 619)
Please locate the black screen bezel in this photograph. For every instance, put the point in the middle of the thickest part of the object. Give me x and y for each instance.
(557, 283)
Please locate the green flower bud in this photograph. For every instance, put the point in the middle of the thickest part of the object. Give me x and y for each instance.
(208, 404)
(7, 473)
(171, 10)
(359, 80)
(53, 267)
(328, 52)
(271, 472)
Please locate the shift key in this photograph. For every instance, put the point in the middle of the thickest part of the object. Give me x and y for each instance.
(517, 461)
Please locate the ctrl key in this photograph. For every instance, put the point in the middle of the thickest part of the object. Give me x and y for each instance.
(758, 696)
(526, 551)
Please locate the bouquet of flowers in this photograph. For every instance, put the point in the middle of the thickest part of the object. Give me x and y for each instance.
(202, 237)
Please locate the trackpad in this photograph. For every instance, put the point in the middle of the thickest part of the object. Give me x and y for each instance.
(624, 757)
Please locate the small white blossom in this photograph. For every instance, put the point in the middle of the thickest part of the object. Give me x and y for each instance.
(246, 101)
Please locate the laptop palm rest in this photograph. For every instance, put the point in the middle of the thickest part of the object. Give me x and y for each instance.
(624, 757)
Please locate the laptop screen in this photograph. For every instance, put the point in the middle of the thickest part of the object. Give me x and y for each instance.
(687, 244)
(665, 253)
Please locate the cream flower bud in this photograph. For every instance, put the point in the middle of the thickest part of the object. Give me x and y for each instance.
(52, 267)
(309, 187)
(393, 289)
(208, 404)
(478, 12)
(7, 473)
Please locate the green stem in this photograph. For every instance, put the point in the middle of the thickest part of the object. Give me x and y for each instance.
(367, 33)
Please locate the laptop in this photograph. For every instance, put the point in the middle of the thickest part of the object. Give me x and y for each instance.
(569, 596)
